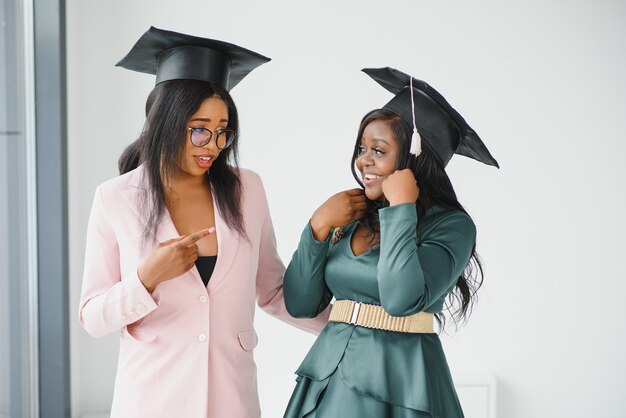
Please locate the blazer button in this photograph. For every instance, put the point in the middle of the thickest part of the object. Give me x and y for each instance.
(202, 337)
(202, 298)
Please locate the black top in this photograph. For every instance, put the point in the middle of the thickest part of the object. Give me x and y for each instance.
(205, 265)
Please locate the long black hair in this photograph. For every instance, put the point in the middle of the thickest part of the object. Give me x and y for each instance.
(435, 188)
(160, 147)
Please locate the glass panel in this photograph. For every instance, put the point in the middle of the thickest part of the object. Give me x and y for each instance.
(17, 327)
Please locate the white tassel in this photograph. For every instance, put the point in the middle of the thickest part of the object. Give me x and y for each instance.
(416, 139)
(416, 143)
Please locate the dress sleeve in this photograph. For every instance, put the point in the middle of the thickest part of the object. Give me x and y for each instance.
(269, 281)
(306, 293)
(108, 301)
(412, 277)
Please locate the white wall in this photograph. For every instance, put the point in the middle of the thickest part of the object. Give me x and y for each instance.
(541, 81)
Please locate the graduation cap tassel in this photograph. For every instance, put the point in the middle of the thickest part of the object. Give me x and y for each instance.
(416, 139)
(447, 133)
(416, 143)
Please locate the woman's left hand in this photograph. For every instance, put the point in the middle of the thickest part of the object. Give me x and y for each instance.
(401, 187)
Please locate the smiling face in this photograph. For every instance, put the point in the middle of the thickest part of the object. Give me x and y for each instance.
(377, 156)
(213, 115)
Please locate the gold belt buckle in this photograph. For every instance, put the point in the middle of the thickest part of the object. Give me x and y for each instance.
(375, 317)
(356, 308)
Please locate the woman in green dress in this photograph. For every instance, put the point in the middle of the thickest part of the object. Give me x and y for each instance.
(395, 254)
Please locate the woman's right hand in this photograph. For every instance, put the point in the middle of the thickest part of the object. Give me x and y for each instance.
(339, 210)
(170, 259)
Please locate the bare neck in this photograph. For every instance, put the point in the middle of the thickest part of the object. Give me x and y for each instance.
(184, 184)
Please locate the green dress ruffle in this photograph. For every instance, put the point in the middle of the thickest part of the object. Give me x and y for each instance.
(354, 371)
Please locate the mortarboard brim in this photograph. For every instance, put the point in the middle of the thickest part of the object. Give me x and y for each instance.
(174, 56)
(436, 120)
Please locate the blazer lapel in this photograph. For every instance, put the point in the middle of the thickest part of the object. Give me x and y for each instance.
(167, 230)
(227, 245)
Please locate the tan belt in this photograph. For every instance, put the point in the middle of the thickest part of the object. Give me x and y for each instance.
(374, 316)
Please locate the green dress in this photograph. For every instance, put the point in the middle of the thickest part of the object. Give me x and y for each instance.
(357, 372)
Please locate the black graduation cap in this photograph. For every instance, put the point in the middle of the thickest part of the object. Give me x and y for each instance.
(436, 121)
(174, 56)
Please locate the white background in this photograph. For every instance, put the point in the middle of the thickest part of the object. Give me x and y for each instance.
(542, 82)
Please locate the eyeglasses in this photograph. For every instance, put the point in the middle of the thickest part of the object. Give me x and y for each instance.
(202, 136)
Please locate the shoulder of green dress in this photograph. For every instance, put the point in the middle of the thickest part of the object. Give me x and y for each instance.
(440, 217)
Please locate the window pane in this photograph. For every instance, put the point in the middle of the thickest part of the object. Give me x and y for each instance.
(16, 319)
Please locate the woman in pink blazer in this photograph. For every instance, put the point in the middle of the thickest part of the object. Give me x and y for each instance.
(181, 245)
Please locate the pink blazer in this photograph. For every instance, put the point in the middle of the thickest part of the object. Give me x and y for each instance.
(186, 350)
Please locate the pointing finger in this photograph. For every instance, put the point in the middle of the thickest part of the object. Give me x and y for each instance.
(196, 236)
(171, 241)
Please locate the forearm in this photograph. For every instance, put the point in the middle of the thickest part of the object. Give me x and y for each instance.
(305, 290)
(108, 301)
(276, 307)
(401, 281)
(412, 275)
